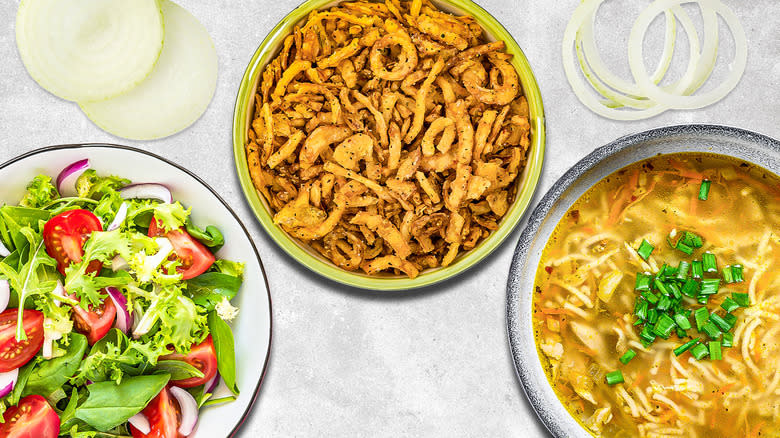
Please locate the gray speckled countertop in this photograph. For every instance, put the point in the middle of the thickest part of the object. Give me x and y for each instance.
(432, 363)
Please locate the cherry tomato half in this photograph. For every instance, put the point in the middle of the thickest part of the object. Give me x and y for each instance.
(94, 324)
(164, 417)
(195, 258)
(13, 353)
(203, 357)
(65, 234)
(31, 418)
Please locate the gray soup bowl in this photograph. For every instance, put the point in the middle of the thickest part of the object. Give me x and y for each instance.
(738, 143)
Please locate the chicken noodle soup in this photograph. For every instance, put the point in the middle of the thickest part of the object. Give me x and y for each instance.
(584, 301)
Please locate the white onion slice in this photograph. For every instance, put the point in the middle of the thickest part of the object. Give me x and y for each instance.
(140, 422)
(4, 252)
(89, 50)
(123, 318)
(5, 294)
(582, 13)
(636, 59)
(120, 217)
(147, 191)
(66, 180)
(7, 381)
(176, 92)
(189, 410)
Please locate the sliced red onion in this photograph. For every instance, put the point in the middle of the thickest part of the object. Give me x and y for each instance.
(59, 291)
(120, 217)
(147, 191)
(5, 294)
(189, 410)
(140, 422)
(66, 180)
(211, 385)
(4, 252)
(119, 264)
(123, 318)
(47, 351)
(7, 382)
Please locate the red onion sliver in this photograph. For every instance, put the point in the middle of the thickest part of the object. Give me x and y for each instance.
(4, 252)
(147, 191)
(123, 318)
(66, 180)
(120, 217)
(211, 385)
(189, 410)
(5, 294)
(7, 381)
(119, 264)
(140, 422)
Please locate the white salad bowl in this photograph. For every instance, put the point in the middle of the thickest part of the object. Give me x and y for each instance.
(252, 326)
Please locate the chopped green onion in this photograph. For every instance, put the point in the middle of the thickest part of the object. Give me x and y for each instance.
(715, 352)
(692, 239)
(664, 326)
(652, 316)
(682, 321)
(645, 249)
(729, 305)
(690, 288)
(640, 309)
(700, 351)
(626, 358)
(675, 290)
(647, 336)
(682, 270)
(742, 299)
(702, 299)
(712, 331)
(685, 347)
(728, 277)
(684, 248)
(701, 315)
(697, 270)
(730, 319)
(709, 286)
(709, 262)
(704, 190)
(615, 377)
(664, 304)
(720, 322)
(650, 297)
(661, 287)
(737, 272)
(728, 339)
(643, 281)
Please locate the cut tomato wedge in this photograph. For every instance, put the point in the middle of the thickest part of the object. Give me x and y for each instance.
(31, 418)
(164, 417)
(195, 258)
(13, 353)
(65, 234)
(94, 323)
(203, 357)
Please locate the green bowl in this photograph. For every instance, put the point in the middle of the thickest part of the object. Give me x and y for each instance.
(307, 256)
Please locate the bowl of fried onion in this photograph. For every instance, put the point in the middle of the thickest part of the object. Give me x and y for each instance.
(388, 145)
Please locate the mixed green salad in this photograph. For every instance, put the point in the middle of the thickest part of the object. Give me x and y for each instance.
(115, 311)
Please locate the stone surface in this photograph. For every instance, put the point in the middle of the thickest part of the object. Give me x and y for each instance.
(430, 363)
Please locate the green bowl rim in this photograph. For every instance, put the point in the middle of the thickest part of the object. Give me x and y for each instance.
(530, 178)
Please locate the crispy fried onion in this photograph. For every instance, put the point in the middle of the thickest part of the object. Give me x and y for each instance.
(389, 136)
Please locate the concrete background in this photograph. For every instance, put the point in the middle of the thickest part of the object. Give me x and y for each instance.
(433, 363)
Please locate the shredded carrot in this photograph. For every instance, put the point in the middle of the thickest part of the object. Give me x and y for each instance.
(637, 380)
(667, 417)
(551, 311)
(755, 433)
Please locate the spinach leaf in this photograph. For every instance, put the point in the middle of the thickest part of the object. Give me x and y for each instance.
(210, 288)
(21, 382)
(50, 375)
(16, 218)
(211, 236)
(113, 357)
(199, 396)
(110, 405)
(67, 416)
(222, 337)
(178, 369)
(217, 401)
